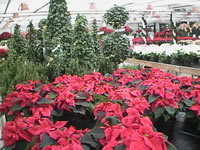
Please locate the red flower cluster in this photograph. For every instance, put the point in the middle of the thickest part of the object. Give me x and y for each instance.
(128, 29)
(167, 32)
(105, 30)
(3, 52)
(5, 35)
(117, 101)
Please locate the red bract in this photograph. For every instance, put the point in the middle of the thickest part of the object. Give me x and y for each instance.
(5, 35)
(145, 139)
(3, 52)
(45, 126)
(109, 109)
(69, 138)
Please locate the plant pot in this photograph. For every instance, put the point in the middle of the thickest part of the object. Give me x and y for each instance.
(175, 61)
(180, 132)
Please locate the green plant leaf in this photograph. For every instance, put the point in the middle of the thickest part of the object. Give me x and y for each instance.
(85, 147)
(120, 147)
(101, 114)
(57, 112)
(46, 140)
(170, 146)
(30, 145)
(79, 109)
(170, 110)
(11, 147)
(81, 96)
(113, 120)
(97, 133)
(152, 99)
(83, 103)
(10, 118)
(37, 87)
(88, 139)
(53, 95)
(158, 112)
(137, 81)
(16, 107)
(188, 103)
(44, 101)
(166, 117)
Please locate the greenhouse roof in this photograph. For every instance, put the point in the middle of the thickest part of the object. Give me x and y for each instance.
(23, 11)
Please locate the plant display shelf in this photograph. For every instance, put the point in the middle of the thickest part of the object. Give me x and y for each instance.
(167, 67)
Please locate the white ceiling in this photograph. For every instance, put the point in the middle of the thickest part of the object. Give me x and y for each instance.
(159, 12)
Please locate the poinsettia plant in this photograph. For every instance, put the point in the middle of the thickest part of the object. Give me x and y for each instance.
(5, 36)
(108, 112)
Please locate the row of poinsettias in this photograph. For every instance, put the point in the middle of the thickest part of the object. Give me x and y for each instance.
(117, 102)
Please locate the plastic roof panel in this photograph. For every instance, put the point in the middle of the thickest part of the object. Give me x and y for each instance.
(136, 8)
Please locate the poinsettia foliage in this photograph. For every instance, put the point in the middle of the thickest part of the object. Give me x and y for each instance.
(97, 112)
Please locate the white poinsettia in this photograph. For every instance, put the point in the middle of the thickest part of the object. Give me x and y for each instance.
(168, 49)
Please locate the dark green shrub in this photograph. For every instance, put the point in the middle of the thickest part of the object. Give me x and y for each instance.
(17, 71)
(116, 48)
(116, 17)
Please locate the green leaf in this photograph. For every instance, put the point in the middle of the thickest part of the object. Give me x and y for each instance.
(101, 114)
(152, 99)
(99, 98)
(170, 146)
(37, 87)
(10, 118)
(11, 147)
(30, 145)
(81, 96)
(165, 136)
(137, 81)
(113, 120)
(27, 112)
(166, 117)
(97, 133)
(57, 112)
(188, 103)
(83, 103)
(53, 95)
(16, 107)
(142, 87)
(120, 147)
(44, 101)
(158, 112)
(85, 147)
(79, 109)
(46, 140)
(88, 139)
(170, 110)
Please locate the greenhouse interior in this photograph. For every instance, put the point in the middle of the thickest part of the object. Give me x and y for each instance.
(100, 75)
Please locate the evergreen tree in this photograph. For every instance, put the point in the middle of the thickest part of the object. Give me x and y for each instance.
(17, 44)
(58, 37)
(95, 37)
(59, 25)
(82, 47)
(33, 53)
(116, 48)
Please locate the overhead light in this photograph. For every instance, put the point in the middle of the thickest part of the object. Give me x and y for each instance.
(92, 5)
(194, 9)
(15, 15)
(149, 6)
(24, 6)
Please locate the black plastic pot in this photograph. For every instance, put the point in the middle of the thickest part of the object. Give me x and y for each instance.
(180, 133)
